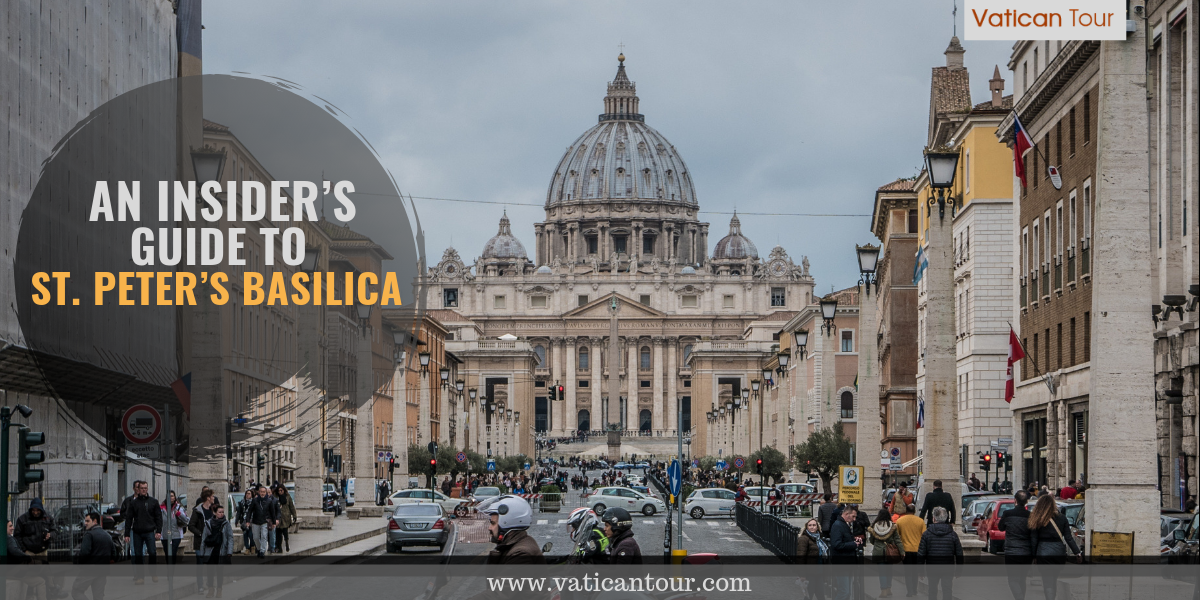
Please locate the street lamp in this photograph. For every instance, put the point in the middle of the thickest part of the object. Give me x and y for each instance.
(445, 374)
(941, 167)
(828, 312)
(309, 264)
(458, 386)
(802, 343)
(424, 358)
(472, 393)
(766, 376)
(756, 385)
(868, 259)
(208, 163)
(398, 338)
(784, 356)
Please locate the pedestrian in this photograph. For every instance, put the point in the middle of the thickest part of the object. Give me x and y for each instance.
(972, 484)
(175, 522)
(35, 586)
(201, 498)
(287, 517)
(1068, 492)
(825, 514)
(200, 515)
(906, 498)
(143, 528)
(95, 548)
(1191, 504)
(940, 550)
(1018, 551)
(844, 549)
(1050, 543)
(33, 531)
(264, 516)
(242, 520)
(217, 550)
(887, 549)
(935, 499)
(811, 549)
(911, 529)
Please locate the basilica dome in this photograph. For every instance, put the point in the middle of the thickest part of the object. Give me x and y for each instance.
(504, 245)
(735, 246)
(621, 158)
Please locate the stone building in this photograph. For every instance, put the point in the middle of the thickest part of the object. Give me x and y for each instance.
(621, 224)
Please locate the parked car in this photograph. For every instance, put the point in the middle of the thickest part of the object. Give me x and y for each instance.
(455, 506)
(626, 498)
(989, 525)
(1168, 521)
(641, 489)
(1183, 547)
(975, 504)
(483, 493)
(642, 465)
(710, 501)
(418, 524)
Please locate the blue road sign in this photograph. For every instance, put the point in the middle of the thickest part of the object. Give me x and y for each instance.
(491, 464)
(675, 477)
(739, 462)
(722, 465)
(461, 457)
(695, 463)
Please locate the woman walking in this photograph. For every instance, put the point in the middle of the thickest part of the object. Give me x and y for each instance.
(287, 517)
(1018, 551)
(1051, 537)
(217, 549)
(811, 549)
(888, 549)
(175, 522)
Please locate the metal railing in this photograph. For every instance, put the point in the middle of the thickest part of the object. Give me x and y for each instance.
(770, 531)
(1084, 264)
(1058, 269)
(1024, 293)
(1071, 267)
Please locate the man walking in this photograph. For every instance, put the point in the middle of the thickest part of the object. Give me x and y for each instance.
(940, 549)
(843, 549)
(911, 529)
(143, 527)
(96, 548)
(935, 499)
(264, 516)
(825, 514)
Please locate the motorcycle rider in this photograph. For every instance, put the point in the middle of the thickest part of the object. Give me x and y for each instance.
(618, 527)
(510, 518)
(591, 545)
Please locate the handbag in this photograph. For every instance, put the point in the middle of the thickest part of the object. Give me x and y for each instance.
(1066, 548)
(891, 553)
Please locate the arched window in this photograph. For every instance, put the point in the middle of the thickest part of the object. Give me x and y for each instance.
(847, 404)
(583, 359)
(687, 352)
(645, 357)
(585, 422)
(644, 420)
(540, 351)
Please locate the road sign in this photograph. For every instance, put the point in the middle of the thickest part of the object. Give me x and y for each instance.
(883, 454)
(895, 453)
(461, 457)
(491, 464)
(722, 465)
(675, 477)
(388, 456)
(885, 463)
(695, 463)
(380, 456)
(739, 462)
(850, 484)
(432, 447)
(141, 424)
(144, 450)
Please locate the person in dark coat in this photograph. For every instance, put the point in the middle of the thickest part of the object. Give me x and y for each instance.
(1018, 551)
(843, 548)
(96, 548)
(33, 531)
(200, 515)
(940, 549)
(143, 525)
(17, 556)
(811, 549)
(618, 527)
(1051, 537)
(825, 514)
(264, 517)
(935, 499)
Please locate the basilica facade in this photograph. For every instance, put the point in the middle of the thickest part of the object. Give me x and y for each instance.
(622, 250)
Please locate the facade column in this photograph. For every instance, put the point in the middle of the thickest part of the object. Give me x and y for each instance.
(631, 399)
(668, 239)
(571, 413)
(941, 450)
(424, 412)
(672, 400)
(656, 421)
(596, 382)
(364, 429)
(310, 380)
(400, 427)
(868, 426)
(556, 374)
(1122, 436)
(539, 233)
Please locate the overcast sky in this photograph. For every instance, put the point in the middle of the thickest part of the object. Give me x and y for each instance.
(777, 107)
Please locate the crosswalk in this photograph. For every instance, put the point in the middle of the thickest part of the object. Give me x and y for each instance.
(692, 522)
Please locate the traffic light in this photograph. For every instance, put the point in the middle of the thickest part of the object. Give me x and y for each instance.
(985, 462)
(758, 466)
(999, 461)
(28, 439)
(391, 466)
(433, 466)
(553, 393)
(261, 461)
(560, 394)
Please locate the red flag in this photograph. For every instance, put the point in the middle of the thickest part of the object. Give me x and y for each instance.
(183, 390)
(1015, 353)
(1021, 145)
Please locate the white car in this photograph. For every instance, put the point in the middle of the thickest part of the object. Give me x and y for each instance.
(797, 488)
(634, 480)
(606, 497)
(454, 506)
(710, 501)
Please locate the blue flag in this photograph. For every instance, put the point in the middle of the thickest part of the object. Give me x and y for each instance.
(920, 266)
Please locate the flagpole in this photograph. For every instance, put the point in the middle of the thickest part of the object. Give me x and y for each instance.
(1044, 376)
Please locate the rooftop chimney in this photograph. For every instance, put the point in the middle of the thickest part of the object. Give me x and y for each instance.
(996, 84)
(954, 54)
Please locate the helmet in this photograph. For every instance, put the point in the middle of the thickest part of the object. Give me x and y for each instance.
(514, 512)
(618, 518)
(582, 521)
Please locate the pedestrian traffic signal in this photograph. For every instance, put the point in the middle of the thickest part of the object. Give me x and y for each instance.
(560, 394)
(391, 465)
(985, 462)
(433, 465)
(758, 466)
(26, 457)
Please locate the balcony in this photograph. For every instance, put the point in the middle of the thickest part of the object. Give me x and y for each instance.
(541, 372)
(1085, 266)
(1033, 289)
(1071, 267)
(1046, 282)
(1058, 269)
(1024, 293)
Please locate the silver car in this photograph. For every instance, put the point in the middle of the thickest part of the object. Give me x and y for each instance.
(634, 502)
(423, 524)
(710, 501)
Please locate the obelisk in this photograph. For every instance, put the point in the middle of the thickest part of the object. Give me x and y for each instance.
(614, 383)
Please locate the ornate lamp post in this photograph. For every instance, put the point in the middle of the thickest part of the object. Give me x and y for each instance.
(868, 258)
(828, 312)
(942, 167)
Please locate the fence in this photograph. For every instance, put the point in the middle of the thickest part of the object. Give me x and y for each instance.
(66, 502)
(770, 531)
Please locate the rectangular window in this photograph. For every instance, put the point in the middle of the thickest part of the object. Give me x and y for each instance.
(450, 297)
(1025, 166)
(1035, 63)
(1087, 209)
(1087, 118)
(777, 297)
(688, 301)
(1059, 357)
(967, 171)
(645, 383)
(727, 301)
(583, 383)
(584, 356)
(537, 301)
(1034, 349)
(1026, 372)
(647, 244)
(1046, 337)
(619, 244)
(591, 244)
(1071, 131)
(1073, 223)
(1024, 251)
(912, 221)
(644, 299)
(498, 302)
(1058, 136)
(1058, 215)
(1087, 336)
(1071, 341)
(1037, 249)
(583, 299)
(1046, 237)
(687, 383)
(1046, 173)
(847, 341)
(1024, 77)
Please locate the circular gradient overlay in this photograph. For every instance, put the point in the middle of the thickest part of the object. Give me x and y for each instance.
(216, 359)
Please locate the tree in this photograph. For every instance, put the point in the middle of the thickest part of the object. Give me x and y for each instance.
(448, 461)
(418, 460)
(823, 452)
(512, 464)
(477, 462)
(708, 463)
(774, 462)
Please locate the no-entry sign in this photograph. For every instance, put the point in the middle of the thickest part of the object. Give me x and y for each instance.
(141, 424)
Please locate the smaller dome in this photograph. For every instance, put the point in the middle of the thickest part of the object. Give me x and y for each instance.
(504, 245)
(735, 246)
(544, 270)
(688, 270)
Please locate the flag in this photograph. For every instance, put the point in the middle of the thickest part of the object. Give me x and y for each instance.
(920, 412)
(856, 382)
(183, 391)
(1021, 145)
(920, 266)
(1015, 353)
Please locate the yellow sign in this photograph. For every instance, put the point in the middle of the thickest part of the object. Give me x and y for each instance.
(850, 484)
(1111, 546)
